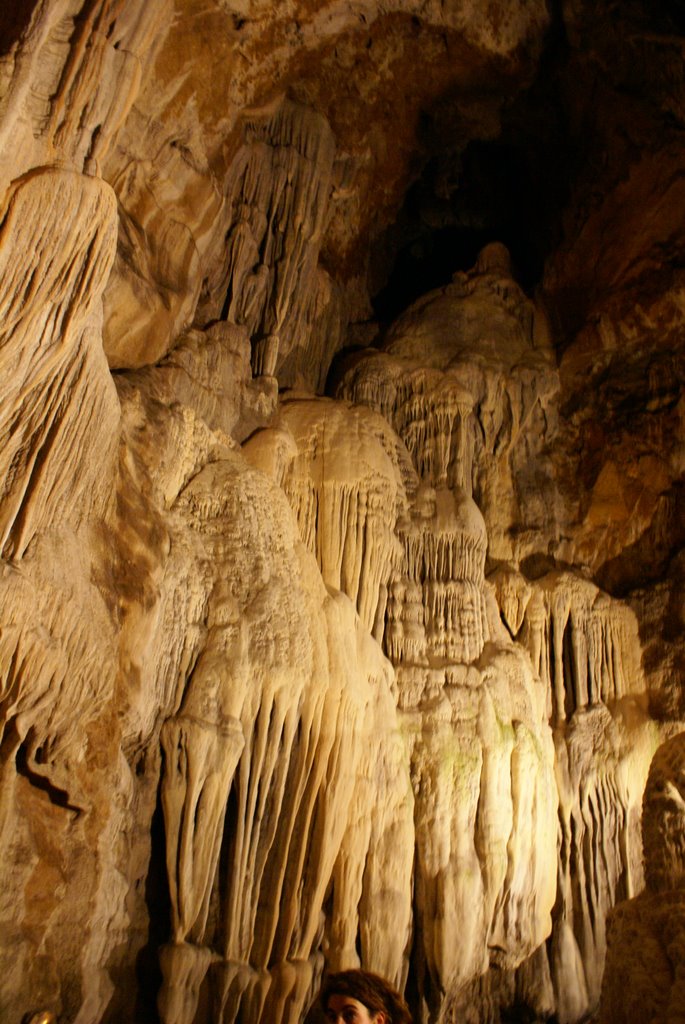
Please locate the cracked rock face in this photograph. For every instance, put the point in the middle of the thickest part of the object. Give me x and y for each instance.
(341, 508)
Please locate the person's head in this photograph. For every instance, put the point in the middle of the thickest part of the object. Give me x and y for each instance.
(360, 997)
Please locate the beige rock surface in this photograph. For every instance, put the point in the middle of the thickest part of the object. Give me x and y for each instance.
(467, 378)
(59, 393)
(292, 682)
(644, 973)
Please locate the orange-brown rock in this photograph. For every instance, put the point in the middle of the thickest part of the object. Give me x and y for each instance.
(341, 507)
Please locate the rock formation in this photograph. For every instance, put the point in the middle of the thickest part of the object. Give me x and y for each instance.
(340, 585)
(644, 971)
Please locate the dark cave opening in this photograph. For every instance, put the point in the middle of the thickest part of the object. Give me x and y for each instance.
(15, 19)
(495, 198)
(511, 190)
(476, 187)
(158, 901)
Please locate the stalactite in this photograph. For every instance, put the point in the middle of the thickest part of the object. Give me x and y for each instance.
(586, 649)
(437, 608)
(347, 507)
(429, 409)
(584, 645)
(278, 198)
(273, 712)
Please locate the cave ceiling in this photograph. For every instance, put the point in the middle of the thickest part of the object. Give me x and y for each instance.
(549, 127)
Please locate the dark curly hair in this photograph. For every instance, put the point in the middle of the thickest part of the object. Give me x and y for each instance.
(377, 995)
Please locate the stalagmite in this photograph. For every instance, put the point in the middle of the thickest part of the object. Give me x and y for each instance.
(473, 356)
(267, 739)
(467, 379)
(438, 615)
(202, 745)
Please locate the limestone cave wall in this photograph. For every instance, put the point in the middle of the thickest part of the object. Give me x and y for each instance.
(341, 499)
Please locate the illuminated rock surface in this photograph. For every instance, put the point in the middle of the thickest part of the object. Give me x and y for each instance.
(644, 969)
(341, 508)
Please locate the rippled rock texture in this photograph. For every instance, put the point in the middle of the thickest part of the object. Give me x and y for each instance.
(644, 970)
(341, 543)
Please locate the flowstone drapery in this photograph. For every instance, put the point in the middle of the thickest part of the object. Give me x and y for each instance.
(293, 683)
(586, 649)
(645, 970)
(268, 749)
(478, 750)
(278, 200)
(467, 380)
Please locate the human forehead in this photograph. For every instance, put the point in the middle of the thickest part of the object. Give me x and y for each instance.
(337, 1003)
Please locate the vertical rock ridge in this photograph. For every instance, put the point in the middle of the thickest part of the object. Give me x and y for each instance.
(278, 196)
(62, 397)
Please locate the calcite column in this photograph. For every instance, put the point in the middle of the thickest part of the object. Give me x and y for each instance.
(585, 647)
(462, 371)
(344, 475)
(202, 745)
